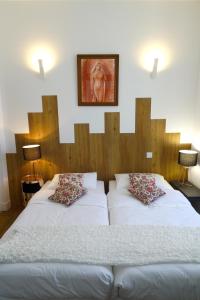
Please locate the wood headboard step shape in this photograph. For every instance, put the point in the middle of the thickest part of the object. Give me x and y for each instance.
(107, 153)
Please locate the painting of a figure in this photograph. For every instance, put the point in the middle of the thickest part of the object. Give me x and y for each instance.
(98, 79)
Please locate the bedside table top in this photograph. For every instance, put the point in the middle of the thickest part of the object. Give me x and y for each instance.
(187, 190)
(31, 179)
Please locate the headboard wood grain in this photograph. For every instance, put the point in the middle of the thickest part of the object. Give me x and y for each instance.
(107, 153)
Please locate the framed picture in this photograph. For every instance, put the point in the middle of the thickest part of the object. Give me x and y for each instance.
(98, 79)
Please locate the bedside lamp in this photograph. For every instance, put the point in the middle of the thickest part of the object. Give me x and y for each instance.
(31, 153)
(187, 159)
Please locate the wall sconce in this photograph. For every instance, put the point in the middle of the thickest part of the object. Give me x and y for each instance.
(41, 68)
(154, 57)
(154, 71)
(41, 59)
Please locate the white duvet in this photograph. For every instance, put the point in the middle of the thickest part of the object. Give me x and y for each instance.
(174, 281)
(89, 209)
(44, 281)
(172, 209)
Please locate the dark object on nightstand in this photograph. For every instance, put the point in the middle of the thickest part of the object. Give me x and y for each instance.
(30, 185)
(191, 192)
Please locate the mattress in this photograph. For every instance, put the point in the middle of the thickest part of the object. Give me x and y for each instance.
(44, 281)
(161, 281)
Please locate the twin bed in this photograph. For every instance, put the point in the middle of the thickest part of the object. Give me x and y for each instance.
(158, 281)
(60, 281)
(32, 281)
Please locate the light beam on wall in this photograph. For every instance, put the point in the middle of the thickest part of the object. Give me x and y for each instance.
(41, 59)
(187, 136)
(196, 143)
(154, 58)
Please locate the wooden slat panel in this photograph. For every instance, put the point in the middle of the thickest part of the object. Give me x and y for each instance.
(107, 153)
(82, 149)
(112, 144)
(157, 138)
(143, 134)
(128, 150)
(98, 158)
(14, 177)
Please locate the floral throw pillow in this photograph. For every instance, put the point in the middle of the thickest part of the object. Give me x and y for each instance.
(143, 187)
(67, 194)
(141, 178)
(70, 178)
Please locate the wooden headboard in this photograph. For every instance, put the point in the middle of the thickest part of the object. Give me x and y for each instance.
(107, 153)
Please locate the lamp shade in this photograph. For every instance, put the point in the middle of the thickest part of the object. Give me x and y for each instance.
(31, 152)
(187, 158)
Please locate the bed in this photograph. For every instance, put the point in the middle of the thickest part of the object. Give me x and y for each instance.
(156, 281)
(56, 281)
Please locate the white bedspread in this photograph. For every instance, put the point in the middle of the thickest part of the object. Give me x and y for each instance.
(113, 245)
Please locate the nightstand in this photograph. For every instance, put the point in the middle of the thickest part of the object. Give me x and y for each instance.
(30, 185)
(191, 192)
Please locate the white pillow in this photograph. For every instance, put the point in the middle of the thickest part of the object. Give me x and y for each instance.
(122, 180)
(89, 181)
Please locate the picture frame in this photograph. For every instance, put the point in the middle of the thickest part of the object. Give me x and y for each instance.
(98, 76)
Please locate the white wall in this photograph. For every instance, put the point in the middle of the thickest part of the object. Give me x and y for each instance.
(194, 172)
(124, 27)
(100, 27)
(4, 196)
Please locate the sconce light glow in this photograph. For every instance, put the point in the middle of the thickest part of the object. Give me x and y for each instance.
(154, 52)
(41, 56)
(196, 143)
